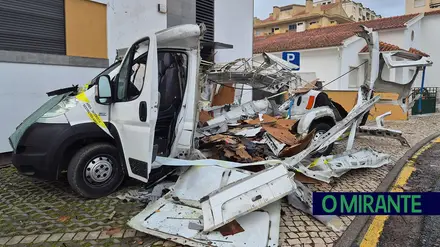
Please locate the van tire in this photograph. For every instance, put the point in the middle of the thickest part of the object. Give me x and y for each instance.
(83, 159)
(322, 127)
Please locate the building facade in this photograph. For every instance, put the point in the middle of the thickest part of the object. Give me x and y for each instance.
(334, 51)
(420, 6)
(51, 44)
(298, 18)
(358, 12)
(354, 10)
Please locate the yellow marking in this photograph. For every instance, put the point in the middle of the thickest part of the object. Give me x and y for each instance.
(83, 97)
(313, 164)
(437, 140)
(371, 238)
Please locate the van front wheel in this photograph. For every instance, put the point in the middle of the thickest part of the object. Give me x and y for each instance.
(95, 170)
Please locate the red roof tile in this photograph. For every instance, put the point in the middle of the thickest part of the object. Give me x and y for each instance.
(389, 47)
(435, 12)
(383, 47)
(325, 36)
(418, 52)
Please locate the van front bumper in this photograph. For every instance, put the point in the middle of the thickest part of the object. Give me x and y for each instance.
(36, 153)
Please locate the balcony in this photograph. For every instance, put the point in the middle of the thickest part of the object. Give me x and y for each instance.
(434, 4)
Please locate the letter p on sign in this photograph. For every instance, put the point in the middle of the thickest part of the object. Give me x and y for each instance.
(292, 57)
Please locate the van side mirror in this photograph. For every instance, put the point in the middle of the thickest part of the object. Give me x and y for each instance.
(103, 91)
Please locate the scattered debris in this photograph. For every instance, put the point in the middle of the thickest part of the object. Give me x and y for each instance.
(63, 219)
(250, 155)
(110, 217)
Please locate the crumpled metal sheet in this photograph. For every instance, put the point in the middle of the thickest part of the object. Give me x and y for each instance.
(177, 216)
(334, 166)
(264, 119)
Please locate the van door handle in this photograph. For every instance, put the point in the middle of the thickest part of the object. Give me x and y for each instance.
(143, 111)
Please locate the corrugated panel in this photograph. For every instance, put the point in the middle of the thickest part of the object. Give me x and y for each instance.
(205, 14)
(33, 26)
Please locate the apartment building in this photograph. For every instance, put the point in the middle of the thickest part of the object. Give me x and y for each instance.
(354, 10)
(420, 6)
(298, 18)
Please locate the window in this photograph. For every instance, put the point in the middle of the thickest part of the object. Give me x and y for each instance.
(332, 22)
(300, 24)
(419, 3)
(313, 22)
(353, 78)
(292, 27)
(131, 76)
(275, 29)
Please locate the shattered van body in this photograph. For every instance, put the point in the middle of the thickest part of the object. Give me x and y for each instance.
(144, 112)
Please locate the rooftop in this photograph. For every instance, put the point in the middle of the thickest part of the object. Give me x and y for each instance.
(390, 47)
(298, 15)
(325, 36)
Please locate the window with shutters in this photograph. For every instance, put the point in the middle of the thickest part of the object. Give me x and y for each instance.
(33, 26)
(205, 14)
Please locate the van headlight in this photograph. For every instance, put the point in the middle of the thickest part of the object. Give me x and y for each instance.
(61, 108)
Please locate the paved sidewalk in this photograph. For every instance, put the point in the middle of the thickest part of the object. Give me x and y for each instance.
(36, 213)
(33, 211)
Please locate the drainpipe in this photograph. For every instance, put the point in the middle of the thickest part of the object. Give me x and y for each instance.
(421, 89)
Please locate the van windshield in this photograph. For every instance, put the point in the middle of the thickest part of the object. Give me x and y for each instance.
(105, 72)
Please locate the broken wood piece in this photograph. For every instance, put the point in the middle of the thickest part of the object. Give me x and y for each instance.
(282, 134)
(305, 180)
(296, 149)
(231, 228)
(286, 123)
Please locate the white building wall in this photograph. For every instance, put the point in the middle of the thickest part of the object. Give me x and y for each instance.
(350, 60)
(27, 85)
(325, 63)
(413, 36)
(394, 37)
(129, 20)
(234, 25)
(430, 40)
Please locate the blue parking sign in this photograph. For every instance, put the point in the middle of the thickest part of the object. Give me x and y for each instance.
(292, 57)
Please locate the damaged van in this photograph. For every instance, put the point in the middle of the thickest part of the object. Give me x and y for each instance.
(138, 107)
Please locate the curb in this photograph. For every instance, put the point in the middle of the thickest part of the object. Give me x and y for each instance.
(353, 232)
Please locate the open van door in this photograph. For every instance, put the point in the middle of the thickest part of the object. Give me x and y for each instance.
(135, 106)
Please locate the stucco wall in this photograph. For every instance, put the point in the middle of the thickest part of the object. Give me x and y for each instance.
(395, 37)
(27, 85)
(234, 25)
(128, 21)
(348, 99)
(429, 44)
(323, 62)
(350, 60)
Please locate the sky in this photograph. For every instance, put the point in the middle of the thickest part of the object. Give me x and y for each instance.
(385, 8)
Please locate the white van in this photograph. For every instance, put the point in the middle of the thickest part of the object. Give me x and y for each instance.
(137, 108)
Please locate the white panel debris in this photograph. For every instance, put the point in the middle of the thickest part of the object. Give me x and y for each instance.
(177, 216)
(325, 168)
(244, 196)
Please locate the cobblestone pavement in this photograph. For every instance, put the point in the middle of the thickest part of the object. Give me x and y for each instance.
(37, 213)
